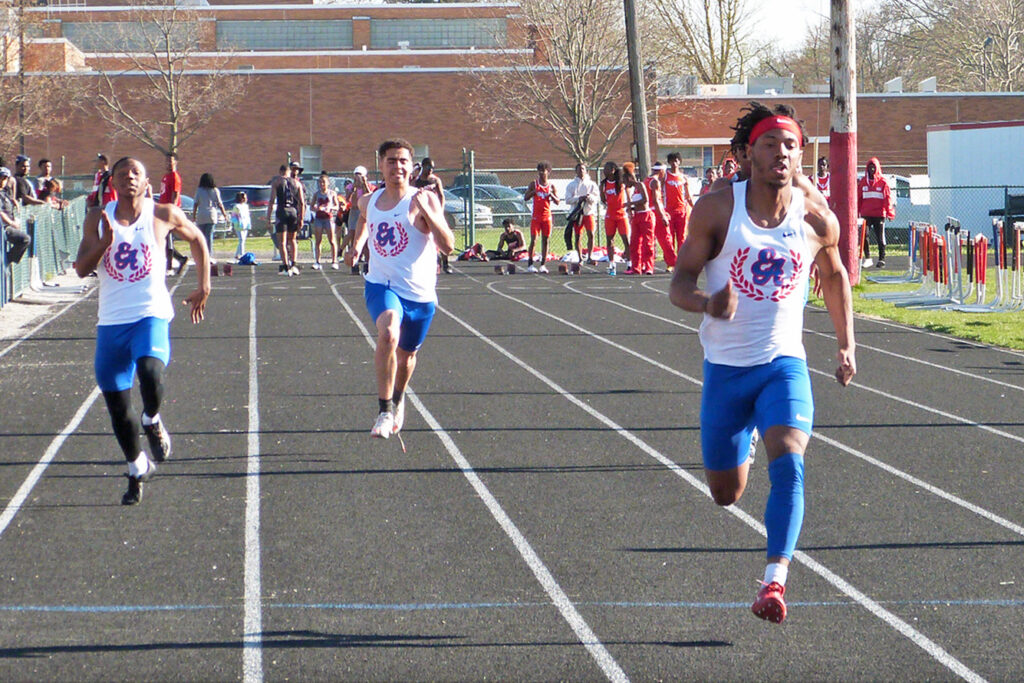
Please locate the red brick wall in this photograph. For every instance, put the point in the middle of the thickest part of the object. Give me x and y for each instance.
(351, 114)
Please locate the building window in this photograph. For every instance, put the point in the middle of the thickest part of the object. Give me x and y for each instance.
(311, 158)
(332, 34)
(119, 36)
(425, 33)
(420, 151)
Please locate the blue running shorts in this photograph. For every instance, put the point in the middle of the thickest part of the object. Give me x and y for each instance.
(735, 400)
(119, 347)
(415, 315)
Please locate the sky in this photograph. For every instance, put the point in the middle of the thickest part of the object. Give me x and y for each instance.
(788, 21)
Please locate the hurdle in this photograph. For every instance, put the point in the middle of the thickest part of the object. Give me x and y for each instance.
(978, 265)
(1016, 302)
(913, 273)
(946, 268)
(922, 236)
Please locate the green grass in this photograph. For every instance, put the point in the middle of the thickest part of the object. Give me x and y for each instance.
(998, 329)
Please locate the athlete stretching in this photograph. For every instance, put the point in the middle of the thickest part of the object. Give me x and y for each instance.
(406, 228)
(756, 241)
(124, 244)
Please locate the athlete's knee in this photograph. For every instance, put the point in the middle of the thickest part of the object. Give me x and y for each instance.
(150, 371)
(725, 495)
(781, 439)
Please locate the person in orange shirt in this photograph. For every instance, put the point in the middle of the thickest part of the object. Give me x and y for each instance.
(641, 223)
(542, 193)
(613, 196)
(656, 193)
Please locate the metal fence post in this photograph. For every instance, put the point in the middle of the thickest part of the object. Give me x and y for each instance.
(471, 221)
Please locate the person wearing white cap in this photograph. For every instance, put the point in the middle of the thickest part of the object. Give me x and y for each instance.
(360, 188)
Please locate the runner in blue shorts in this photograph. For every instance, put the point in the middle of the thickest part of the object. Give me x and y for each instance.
(124, 243)
(405, 228)
(755, 242)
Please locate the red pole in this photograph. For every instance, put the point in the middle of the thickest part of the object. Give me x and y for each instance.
(843, 134)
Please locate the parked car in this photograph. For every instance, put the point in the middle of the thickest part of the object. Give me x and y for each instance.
(455, 211)
(258, 197)
(187, 204)
(481, 179)
(504, 202)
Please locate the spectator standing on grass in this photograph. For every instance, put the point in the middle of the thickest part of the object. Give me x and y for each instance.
(823, 179)
(170, 193)
(875, 204)
(709, 180)
(678, 201)
(45, 174)
(135, 311)
(325, 208)
(208, 209)
(17, 239)
(424, 176)
(51, 193)
(613, 196)
(582, 194)
(754, 243)
(285, 211)
(542, 192)
(241, 221)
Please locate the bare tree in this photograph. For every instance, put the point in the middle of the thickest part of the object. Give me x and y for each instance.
(33, 97)
(709, 38)
(573, 84)
(809, 64)
(968, 44)
(151, 94)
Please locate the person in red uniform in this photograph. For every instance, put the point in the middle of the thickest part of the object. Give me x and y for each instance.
(823, 181)
(677, 199)
(729, 168)
(641, 233)
(542, 192)
(655, 182)
(102, 189)
(613, 196)
(170, 193)
(875, 205)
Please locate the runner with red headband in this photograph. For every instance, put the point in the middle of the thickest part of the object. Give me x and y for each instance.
(755, 243)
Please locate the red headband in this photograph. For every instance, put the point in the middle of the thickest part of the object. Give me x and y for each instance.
(774, 122)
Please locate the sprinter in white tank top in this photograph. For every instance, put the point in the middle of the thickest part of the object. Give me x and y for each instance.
(756, 257)
(124, 243)
(406, 229)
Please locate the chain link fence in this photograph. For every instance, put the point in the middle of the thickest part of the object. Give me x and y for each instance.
(55, 235)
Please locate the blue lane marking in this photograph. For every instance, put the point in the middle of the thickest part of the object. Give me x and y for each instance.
(434, 606)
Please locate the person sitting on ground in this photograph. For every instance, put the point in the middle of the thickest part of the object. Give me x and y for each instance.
(474, 253)
(511, 243)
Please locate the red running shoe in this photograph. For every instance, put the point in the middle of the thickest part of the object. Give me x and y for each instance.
(769, 604)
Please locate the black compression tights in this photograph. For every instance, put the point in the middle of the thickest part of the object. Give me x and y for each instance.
(125, 422)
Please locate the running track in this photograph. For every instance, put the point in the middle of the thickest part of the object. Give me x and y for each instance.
(548, 520)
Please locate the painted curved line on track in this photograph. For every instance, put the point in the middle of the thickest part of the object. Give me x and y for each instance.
(933, 649)
(559, 598)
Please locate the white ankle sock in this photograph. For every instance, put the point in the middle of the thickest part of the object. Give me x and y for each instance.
(147, 420)
(139, 466)
(777, 572)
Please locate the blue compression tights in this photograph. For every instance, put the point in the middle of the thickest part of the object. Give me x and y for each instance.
(784, 511)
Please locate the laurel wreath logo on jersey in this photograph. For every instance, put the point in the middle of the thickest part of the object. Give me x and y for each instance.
(390, 239)
(768, 279)
(128, 263)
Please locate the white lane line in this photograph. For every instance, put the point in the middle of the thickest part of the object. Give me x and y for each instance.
(900, 356)
(43, 324)
(932, 648)
(252, 631)
(51, 452)
(587, 637)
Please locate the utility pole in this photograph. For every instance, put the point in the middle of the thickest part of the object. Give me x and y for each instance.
(843, 135)
(637, 92)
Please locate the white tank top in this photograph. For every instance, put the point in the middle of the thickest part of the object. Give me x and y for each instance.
(768, 268)
(132, 271)
(401, 257)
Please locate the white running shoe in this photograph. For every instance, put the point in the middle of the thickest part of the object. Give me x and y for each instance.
(399, 416)
(384, 426)
(316, 266)
(294, 270)
(531, 269)
(334, 266)
(543, 269)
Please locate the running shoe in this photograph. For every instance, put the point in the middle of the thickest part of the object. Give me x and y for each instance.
(611, 270)
(630, 271)
(754, 438)
(543, 269)
(880, 264)
(531, 269)
(769, 604)
(159, 440)
(399, 416)
(316, 266)
(384, 426)
(334, 265)
(283, 270)
(355, 270)
(134, 493)
(448, 269)
(294, 270)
